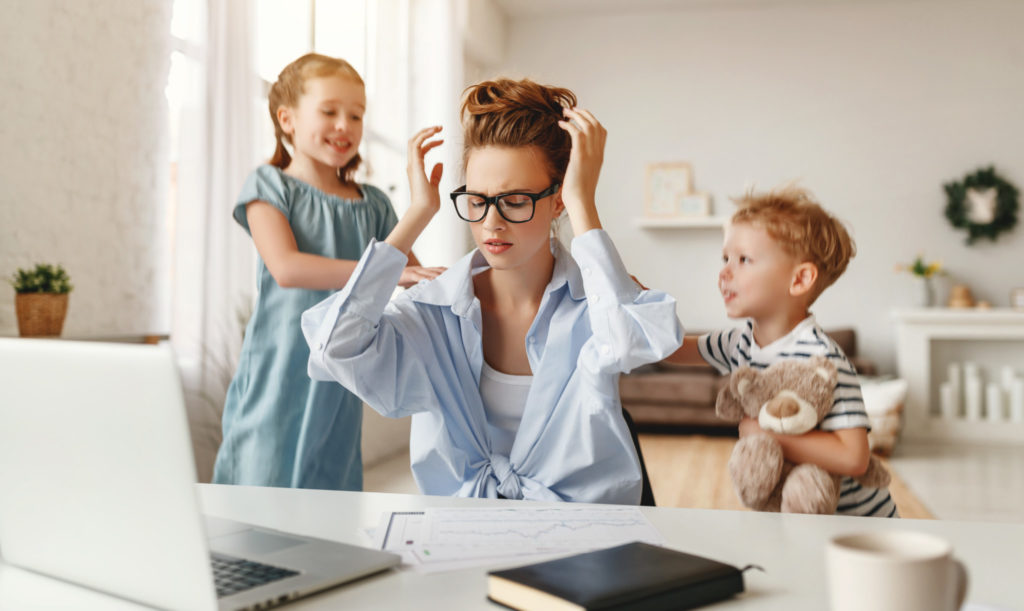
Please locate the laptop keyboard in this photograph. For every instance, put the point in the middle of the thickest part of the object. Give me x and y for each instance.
(232, 575)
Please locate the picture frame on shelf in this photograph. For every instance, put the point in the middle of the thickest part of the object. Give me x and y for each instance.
(666, 184)
(694, 205)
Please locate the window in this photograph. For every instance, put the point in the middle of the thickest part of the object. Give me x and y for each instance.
(369, 35)
(184, 102)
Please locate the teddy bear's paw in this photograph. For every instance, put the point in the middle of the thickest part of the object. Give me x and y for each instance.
(755, 466)
(877, 476)
(810, 489)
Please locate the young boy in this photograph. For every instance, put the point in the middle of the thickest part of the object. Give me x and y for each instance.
(781, 251)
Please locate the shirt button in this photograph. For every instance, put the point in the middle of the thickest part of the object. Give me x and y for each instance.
(596, 299)
(532, 339)
(586, 271)
(320, 346)
(606, 349)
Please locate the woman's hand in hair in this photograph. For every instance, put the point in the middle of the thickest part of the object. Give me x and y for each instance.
(423, 189)
(425, 200)
(580, 184)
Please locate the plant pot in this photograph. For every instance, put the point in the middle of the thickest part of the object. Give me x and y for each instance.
(924, 292)
(40, 314)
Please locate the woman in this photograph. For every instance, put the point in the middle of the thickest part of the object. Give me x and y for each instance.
(509, 361)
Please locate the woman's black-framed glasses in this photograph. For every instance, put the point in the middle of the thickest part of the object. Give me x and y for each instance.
(514, 207)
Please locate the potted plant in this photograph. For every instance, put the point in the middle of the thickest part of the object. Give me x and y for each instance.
(923, 271)
(41, 299)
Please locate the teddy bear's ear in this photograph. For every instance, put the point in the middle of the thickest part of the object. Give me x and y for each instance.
(727, 406)
(825, 369)
(743, 381)
(747, 385)
(818, 383)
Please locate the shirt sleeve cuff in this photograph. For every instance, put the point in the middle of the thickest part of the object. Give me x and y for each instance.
(374, 280)
(604, 274)
(366, 294)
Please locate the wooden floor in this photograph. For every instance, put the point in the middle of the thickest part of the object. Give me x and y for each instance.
(685, 471)
(690, 471)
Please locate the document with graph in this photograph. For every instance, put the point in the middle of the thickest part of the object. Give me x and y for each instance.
(452, 538)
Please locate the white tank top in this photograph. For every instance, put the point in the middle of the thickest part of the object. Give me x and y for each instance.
(504, 398)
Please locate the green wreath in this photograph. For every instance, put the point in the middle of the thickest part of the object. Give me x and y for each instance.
(1005, 209)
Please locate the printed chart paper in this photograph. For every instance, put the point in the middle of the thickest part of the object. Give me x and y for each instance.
(447, 539)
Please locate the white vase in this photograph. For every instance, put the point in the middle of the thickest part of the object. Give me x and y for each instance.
(924, 292)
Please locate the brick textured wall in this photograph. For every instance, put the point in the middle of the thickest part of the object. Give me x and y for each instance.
(83, 165)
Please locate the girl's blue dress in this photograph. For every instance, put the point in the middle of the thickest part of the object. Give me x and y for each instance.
(280, 427)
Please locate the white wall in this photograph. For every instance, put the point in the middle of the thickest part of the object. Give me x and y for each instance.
(83, 166)
(873, 106)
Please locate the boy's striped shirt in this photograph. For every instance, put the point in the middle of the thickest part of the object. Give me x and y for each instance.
(734, 348)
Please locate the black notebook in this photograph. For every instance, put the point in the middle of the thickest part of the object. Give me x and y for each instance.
(635, 576)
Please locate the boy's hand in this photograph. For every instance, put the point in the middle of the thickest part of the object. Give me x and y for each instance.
(423, 191)
(749, 426)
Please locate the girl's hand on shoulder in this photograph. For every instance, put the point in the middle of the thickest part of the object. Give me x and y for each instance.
(579, 187)
(414, 273)
(423, 189)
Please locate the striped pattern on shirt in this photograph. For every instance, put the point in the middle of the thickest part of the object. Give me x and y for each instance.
(731, 349)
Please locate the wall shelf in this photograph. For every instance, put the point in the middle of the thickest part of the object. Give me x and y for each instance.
(711, 222)
(919, 332)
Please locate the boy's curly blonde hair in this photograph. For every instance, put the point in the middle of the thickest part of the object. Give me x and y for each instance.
(802, 228)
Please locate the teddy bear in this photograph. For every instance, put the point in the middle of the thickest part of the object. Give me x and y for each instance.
(791, 397)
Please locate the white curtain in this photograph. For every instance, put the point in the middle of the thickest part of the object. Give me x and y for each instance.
(436, 82)
(214, 261)
(414, 80)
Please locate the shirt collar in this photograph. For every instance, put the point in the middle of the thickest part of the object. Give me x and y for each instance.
(454, 287)
(787, 341)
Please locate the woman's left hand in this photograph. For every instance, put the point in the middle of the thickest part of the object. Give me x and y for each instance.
(579, 187)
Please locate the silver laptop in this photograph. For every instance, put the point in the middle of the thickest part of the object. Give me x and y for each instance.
(97, 488)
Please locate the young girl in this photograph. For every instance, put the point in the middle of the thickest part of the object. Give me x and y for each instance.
(309, 219)
(509, 361)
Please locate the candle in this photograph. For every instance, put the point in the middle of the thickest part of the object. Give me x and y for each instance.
(1008, 376)
(994, 402)
(956, 390)
(1017, 400)
(972, 395)
(947, 401)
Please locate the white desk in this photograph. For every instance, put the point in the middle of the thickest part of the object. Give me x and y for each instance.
(789, 547)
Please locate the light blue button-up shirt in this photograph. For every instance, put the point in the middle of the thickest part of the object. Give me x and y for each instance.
(421, 355)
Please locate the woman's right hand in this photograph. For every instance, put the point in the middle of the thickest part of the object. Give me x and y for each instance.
(423, 190)
(425, 200)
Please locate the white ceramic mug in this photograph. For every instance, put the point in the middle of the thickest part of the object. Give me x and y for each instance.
(894, 571)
